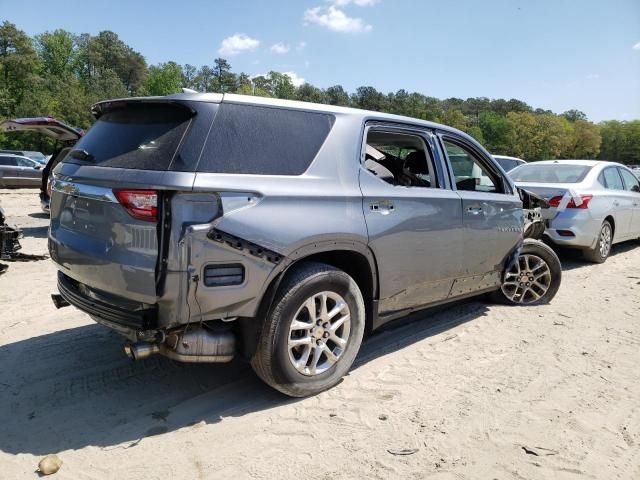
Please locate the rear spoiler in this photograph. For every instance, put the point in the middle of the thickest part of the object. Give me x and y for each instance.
(178, 99)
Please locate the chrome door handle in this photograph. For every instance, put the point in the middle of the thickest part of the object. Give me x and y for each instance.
(474, 210)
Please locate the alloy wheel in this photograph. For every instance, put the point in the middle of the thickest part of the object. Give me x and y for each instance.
(605, 240)
(527, 280)
(319, 333)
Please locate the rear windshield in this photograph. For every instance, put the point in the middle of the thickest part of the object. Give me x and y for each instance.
(263, 140)
(550, 173)
(139, 136)
(508, 164)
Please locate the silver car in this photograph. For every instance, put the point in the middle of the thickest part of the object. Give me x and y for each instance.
(201, 226)
(594, 204)
(19, 171)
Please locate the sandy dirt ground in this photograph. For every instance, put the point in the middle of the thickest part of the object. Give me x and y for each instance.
(471, 391)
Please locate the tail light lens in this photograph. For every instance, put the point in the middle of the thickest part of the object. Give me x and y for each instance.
(141, 204)
(555, 202)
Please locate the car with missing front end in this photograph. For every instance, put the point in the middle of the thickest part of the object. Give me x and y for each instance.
(203, 226)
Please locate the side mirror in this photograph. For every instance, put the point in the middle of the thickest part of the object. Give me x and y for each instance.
(635, 188)
(38, 167)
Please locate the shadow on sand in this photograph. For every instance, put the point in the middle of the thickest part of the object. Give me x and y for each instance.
(75, 388)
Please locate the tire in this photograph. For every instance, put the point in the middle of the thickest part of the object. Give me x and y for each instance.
(601, 251)
(285, 367)
(536, 261)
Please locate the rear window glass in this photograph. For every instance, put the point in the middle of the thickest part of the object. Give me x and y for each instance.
(138, 136)
(261, 140)
(550, 173)
(508, 164)
(8, 161)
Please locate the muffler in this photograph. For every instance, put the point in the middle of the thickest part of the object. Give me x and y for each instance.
(191, 345)
(141, 350)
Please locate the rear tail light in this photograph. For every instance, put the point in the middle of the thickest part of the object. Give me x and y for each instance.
(141, 204)
(555, 202)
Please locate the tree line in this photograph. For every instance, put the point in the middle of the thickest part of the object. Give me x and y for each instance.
(61, 74)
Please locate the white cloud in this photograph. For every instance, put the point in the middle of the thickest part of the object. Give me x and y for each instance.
(301, 46)
(295, 78)
(280, 47)
(360, 3)
(593, 76)
(636, 46)
(335, 19)
(238, 43)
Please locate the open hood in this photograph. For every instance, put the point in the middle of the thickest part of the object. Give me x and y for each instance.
(45, 125)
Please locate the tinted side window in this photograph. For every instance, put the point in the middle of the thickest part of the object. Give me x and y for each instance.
(612, 178)
(630, 181)
(8, 161)
(140, 136)
(469, 172)
(23, 162)
(261, 140)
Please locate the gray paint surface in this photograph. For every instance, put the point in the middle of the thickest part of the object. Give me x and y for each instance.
(422, 250)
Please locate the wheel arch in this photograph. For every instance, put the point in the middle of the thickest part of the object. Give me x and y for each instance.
(354, 258)
(611, 220)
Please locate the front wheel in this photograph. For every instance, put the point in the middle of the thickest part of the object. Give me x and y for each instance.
(312, 334)
(533, 279)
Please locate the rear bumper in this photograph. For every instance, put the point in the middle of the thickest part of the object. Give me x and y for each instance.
(118, 313)
(580, 223)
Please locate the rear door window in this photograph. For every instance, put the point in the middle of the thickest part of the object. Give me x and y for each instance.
(249, 139)
(612, 179)
(143, 136)
(8, 161)
(630, 181)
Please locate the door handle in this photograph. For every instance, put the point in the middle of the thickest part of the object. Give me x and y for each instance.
(383, 207)
(474, 210)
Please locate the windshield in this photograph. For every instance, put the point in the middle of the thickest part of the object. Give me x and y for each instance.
(550, 173)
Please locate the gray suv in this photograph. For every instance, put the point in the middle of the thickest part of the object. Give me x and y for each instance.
(202, 226)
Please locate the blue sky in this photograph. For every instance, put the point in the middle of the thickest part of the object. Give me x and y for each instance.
(553, 54)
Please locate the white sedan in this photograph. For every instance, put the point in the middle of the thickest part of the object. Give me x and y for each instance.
(594, 204)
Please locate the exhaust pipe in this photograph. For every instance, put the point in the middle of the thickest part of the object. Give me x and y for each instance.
(141, 350)
(193, 345)
(59, 301)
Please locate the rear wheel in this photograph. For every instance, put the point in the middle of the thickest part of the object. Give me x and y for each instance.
(533, 279)
(601, 251)
(313, 332)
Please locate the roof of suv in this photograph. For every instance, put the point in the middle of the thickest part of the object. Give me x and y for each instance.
(275, 102)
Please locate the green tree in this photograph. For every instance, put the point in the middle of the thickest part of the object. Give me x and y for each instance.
(336, 95)
(58, 52)
(163, 79)
(497, 133)
(19, 63)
